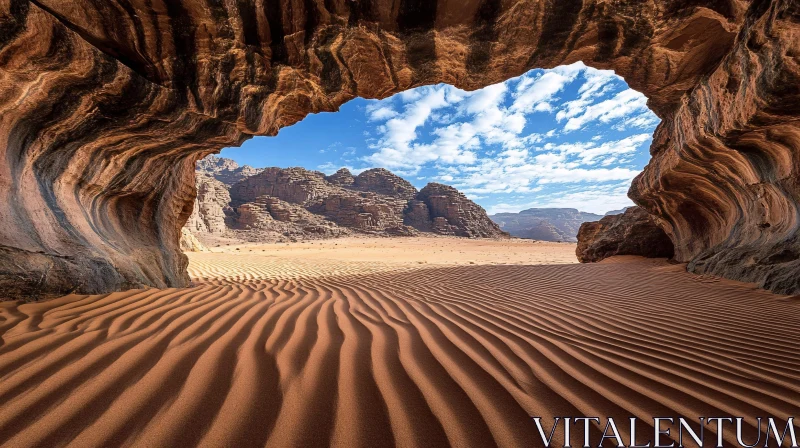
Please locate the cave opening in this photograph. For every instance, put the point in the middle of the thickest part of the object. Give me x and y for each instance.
(563, 144)
(96, 113)
(107, 107)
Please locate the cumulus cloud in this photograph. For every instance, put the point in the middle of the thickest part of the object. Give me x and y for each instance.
(534, 93)
(490, 142)
(622, 105)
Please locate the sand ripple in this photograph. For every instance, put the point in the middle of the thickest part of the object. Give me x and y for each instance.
(370, 356)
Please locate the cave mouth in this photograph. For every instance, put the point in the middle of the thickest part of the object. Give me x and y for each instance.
(568, 137)
(106, 107)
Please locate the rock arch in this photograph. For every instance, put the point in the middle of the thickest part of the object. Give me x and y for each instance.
(106, 105)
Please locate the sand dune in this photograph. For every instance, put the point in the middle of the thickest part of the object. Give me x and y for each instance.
(274, 351)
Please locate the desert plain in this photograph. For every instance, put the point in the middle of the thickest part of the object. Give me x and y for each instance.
(393, 342)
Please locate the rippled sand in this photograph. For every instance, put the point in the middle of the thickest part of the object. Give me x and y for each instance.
(393, 342)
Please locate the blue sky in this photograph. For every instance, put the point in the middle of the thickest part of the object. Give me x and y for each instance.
(568, 137)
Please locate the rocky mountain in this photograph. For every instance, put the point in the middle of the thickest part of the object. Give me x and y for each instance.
(295, 203)
(225, 170)
(546, 224)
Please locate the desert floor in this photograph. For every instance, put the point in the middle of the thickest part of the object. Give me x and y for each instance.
(381, 342)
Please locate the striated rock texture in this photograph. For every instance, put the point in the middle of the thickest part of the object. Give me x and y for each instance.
(106, 106)
(634, 232)
(268, 216)
(453, 214)
(342, 178)
(546, 224)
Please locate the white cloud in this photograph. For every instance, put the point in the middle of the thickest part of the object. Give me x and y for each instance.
(535, 94)
(382, 113)
(622, 105)
(481, 142)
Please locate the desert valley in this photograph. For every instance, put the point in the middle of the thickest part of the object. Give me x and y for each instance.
(534, 223)
(400, 341)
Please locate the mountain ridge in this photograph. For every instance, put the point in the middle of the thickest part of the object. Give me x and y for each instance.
(280, 204)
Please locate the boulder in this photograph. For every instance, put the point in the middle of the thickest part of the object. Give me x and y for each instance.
(634, 232)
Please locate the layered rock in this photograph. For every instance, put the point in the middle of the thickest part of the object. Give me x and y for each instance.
(107, 105)
(364, 211)
(383, 181)
(546, 224)
(211, 207)
(294, 185)
(268, 216)
(225, 170)
(634, 232)
(453, 214)
(418, 216)
(376, 201)
(343, 178)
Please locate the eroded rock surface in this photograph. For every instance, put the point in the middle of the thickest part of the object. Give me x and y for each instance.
(634, 232)
(225, 170)
(376, 201)
(453, 214)
(106, 106)
(211, 207)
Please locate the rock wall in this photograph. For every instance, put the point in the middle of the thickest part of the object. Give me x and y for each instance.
(453, 214)
(383, 181)
(225, 170)
(107, 104)
(211, 206)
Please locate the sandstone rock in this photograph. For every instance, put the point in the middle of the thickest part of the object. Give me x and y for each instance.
(210, 207)
(418, 216)
(364, 211)
(634, 232)
(106, 107)
(190, 243)
(294, 185)
(543, 230)
(382, 181)
(368, 212)
(225, 170)
(342, 178)
(268, 216)
(453, 214)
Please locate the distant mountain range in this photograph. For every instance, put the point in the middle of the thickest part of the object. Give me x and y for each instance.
(546, 224)
(280, 204)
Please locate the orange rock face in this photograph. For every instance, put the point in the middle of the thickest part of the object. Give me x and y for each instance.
(106, 106)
